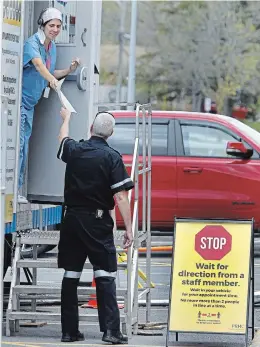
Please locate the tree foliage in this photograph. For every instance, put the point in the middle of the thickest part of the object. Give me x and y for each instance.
(203, 47)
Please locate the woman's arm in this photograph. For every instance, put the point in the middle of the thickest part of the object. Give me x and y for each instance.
(44, 72)
(61, 73)
(73, 67)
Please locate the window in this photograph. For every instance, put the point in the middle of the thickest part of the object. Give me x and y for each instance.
(68, 9)
(124, 137)
(205, 141)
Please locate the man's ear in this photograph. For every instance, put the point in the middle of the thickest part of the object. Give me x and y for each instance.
(91, 128)
(112, 132)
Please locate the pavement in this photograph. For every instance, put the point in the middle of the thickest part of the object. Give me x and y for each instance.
(49, 335)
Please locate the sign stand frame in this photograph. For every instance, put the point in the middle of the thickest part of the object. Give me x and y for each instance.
(251, 282)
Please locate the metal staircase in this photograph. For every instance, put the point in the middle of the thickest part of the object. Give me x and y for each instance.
(34, 293)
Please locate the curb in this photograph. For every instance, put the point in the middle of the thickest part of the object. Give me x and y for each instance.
(256, 341)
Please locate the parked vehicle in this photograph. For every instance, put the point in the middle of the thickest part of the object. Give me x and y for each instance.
(203, 166)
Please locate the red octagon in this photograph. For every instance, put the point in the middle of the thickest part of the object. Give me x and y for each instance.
(213, 242)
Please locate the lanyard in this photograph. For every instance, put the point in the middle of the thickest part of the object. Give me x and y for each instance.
(48, 58)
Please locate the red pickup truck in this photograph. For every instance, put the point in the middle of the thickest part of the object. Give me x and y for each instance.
(203, 166)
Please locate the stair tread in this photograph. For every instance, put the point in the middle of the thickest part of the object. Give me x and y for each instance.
(27, 289)
(53, 315)
(52, 263)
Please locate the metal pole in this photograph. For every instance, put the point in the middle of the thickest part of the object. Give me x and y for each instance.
(122, 5)
(148, 240)
(132, 58)
(17, 152)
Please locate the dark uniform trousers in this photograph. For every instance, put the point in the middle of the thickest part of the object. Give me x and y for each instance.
(84, 234)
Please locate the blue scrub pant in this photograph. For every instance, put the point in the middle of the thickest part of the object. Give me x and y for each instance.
(25, 133)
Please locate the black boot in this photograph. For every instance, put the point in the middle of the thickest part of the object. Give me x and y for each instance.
(115, 337)
(69, 338)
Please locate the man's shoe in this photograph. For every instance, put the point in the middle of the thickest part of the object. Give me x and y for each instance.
(115, 337)
(69, 338)
(22, 199)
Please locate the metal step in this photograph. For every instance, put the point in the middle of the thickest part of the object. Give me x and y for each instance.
(22, 289)
(52, 264)
(54, 316)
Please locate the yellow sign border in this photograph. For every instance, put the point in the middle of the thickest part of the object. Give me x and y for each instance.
(211, 330)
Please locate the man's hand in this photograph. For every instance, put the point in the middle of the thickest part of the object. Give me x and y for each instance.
(128, 238)
(74, 64)
(65, 114)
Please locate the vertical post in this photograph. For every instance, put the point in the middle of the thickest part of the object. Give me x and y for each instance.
(136, 221)
(144, 176)
(95, 7)
(3, 123)
(252, 282)
(34, 280)
(132, 57)
(148, 240)
(17, 152)
(122, 5)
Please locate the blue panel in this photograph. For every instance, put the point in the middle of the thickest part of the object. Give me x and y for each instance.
(51, 216)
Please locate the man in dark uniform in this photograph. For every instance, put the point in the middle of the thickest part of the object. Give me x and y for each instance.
(95, 175)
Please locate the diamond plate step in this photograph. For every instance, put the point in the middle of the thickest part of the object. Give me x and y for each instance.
(53, 316)
(23, 289)
(52, 264)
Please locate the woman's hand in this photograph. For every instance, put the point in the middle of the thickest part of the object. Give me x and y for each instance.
(54, 83)
(74, 64)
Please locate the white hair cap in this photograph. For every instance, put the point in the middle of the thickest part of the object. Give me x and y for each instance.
(103, 125)
(51, 13)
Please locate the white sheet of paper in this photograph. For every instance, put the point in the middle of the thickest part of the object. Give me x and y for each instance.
(64, 101)
(60, 83)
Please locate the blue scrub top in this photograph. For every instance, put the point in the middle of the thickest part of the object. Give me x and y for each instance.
(33, 83)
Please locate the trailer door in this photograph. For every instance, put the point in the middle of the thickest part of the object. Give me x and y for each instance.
(80, 37)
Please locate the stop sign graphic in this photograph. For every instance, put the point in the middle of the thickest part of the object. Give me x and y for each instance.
(213, 242)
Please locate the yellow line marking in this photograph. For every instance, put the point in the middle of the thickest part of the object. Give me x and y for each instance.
(157, 264)
(21, 344)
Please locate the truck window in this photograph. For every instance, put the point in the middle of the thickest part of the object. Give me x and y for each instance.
(203, 141)
(124, 136)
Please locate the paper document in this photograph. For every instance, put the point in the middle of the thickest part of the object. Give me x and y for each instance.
(60, 84)
(64, 101)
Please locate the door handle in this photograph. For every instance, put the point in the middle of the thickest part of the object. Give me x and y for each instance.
(82, 37)
(80, 78)
(192, 169)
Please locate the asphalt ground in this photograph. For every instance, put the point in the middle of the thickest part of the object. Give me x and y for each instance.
(49, 335)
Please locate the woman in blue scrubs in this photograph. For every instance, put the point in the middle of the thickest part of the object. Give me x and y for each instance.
(39, 60)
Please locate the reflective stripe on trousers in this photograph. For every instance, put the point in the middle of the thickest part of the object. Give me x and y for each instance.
(72, 274)
(103, 273)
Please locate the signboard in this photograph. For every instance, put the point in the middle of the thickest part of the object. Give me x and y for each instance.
(10, 79)
(210, 277)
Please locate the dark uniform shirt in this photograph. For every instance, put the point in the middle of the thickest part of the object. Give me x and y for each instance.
(94, 173)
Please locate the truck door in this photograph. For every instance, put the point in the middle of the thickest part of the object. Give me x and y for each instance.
(80, 37)
(204, 170)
